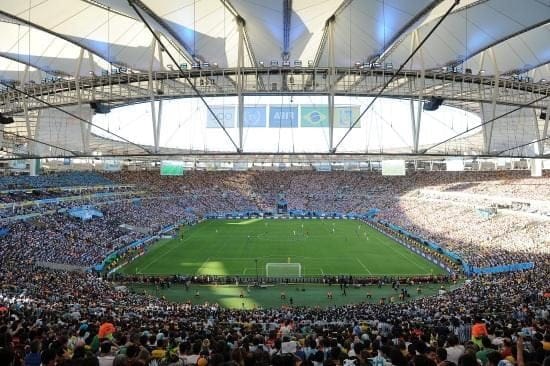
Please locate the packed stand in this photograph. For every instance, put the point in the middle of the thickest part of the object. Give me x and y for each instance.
(59, 318)
(70, 179)
(504, 239)
(81, 319)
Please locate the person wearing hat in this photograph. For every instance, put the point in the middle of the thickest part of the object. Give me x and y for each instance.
(479, 329)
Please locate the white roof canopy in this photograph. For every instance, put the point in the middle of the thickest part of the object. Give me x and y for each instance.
(50, 34)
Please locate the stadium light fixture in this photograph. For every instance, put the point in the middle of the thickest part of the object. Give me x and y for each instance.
(358, 64)
(274, 63)
(310, 63)
(481, 72)
(5, 120)
(286, 63)
(297, 63)
(261, 63)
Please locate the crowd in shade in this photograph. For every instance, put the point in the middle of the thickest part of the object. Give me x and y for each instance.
(28, 195)
(70, 179)
(59, 238)
(54, 317)
(20, 203)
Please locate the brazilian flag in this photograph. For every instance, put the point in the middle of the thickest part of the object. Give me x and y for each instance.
(314, 116)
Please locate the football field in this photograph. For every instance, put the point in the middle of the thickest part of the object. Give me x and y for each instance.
(314, 247)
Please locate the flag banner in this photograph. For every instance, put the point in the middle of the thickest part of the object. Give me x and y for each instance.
(281, 116)
(344, 116)
(254, 116)
(226, 115)
(314, 116)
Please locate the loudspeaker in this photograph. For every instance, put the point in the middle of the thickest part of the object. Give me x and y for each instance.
(100, 108)
(432, 104)
(5, 120)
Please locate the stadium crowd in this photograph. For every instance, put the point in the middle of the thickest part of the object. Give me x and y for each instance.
(80, 319)
(54, 317)
(503, 239)
(58, 238)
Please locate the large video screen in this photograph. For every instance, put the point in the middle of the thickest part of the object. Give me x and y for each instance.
(171, 168)
(393, 167)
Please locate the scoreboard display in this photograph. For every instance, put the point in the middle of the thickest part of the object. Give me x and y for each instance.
(171, 168)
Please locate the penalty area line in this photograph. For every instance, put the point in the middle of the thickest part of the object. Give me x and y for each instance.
(202, 265)
(362, 265)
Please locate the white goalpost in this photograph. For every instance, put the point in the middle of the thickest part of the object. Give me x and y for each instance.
(283, 270)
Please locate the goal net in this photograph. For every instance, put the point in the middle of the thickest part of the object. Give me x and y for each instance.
(283, 270)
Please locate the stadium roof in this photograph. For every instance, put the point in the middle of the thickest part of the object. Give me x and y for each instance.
(49, 35)
(83, 39)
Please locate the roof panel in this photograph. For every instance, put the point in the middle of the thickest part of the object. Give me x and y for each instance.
(205, 29)
(264, 22)
(365, 28)
(306, 27)
(43, 50)
(116, 38)
(470, 30)
(11, 70)
(524, 51)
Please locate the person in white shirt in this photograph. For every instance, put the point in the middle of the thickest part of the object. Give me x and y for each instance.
(454, 350)
(105, 357)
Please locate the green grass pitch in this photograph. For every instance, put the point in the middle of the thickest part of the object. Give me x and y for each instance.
(322, 247)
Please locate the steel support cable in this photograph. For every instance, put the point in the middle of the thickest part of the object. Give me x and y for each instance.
(525, 144)
(182, 73)
(395, 74)
(40, 142)
(486, 122)
(73, 115)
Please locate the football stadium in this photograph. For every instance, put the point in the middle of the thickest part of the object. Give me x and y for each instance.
(275, 182)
